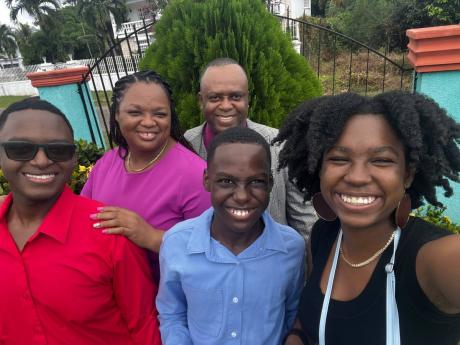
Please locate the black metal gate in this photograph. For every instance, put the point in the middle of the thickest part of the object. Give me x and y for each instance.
(362, 69)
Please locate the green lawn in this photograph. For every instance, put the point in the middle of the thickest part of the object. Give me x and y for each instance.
(5, 101)
(101, 97)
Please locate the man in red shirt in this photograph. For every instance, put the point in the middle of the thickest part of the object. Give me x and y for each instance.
(61, 282)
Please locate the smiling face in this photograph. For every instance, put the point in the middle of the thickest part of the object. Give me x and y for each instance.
(224, 97)
(144, 117)
(364, 175)
(239, 180)
(40, 179)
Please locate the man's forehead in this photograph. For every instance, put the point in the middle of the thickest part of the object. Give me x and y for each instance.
(227, 74)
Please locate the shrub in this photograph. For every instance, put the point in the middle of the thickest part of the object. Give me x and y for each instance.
(435, 215)
(191, 33)
(87, 153)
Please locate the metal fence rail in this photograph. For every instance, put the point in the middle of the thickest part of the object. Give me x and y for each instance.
(343, 64)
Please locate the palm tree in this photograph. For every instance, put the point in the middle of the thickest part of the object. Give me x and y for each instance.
(7, 42)
(23, 33)
(38, 9)
(96, 13)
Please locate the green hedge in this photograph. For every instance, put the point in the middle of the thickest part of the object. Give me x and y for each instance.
(436, 216)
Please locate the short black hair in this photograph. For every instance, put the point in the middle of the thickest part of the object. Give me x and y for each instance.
(119, 90)
(223, 61)
(428, 134)
(243, 135)
(34, 103)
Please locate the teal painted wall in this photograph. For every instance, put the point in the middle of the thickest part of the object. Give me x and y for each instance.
(444, 88)
(68, 100)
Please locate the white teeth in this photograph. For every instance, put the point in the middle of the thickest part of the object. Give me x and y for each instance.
(146, 134)
(41, 177)
(353, 200)
(239, 213)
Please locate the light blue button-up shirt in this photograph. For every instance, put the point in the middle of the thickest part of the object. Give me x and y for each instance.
(210, 296)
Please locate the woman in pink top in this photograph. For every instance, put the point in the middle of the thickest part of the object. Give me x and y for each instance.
(153, 179)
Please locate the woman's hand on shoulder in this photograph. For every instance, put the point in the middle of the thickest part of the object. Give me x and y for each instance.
(438, 272)
(120, 221)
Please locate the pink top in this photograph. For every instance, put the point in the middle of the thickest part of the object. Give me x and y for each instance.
(167, 193)
(208, 135)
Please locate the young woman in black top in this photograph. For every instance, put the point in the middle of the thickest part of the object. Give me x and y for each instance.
(376, 275)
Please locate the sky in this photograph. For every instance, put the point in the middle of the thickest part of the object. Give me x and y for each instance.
(5, 16)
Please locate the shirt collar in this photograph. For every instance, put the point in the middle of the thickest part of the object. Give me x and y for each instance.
(200, 237)
(57, 221)
(274, 239)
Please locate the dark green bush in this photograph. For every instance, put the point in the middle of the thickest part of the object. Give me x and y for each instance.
(192, 32)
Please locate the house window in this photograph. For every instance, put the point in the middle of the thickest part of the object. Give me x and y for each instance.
(307, 3)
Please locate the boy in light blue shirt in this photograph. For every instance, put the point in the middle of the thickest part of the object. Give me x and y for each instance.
(232, 275)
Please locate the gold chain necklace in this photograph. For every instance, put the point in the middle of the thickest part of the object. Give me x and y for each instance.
(154, 159)
(372, 258)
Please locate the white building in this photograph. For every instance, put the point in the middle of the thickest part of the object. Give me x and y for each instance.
(295, 8)
(139, 12)
(11, 63)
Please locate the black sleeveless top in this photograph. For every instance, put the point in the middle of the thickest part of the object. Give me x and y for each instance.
(362, 320)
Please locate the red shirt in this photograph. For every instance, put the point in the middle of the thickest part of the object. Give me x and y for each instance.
(72, 284)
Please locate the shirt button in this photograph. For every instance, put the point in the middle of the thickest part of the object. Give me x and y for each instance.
(233, 334)
(235, 300)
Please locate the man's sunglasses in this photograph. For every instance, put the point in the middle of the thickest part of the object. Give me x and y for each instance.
(26, 151)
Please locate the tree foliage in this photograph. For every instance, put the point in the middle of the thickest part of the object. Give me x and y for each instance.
(96, 13)
(191, 33)
(7, 42)
(444, 11)
(363, 20)
(379, 23)
(59, 35)
(156, 7)
(38, 9)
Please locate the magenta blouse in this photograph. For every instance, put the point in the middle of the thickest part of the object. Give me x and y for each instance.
(167, 193)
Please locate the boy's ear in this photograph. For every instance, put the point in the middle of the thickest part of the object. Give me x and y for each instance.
(206, 180)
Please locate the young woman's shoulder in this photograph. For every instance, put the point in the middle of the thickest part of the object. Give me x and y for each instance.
(436, 264)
